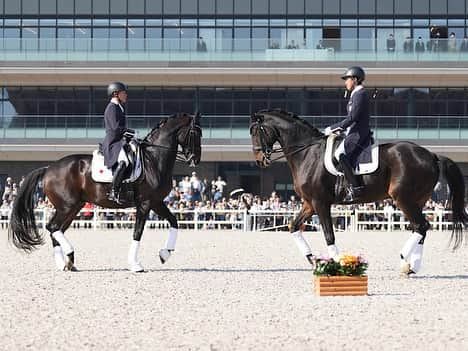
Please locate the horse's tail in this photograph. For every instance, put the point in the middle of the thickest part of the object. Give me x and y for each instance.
(23, 230)
(454, 177)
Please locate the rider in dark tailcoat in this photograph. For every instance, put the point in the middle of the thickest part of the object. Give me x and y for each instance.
(115, 156)
(356, 127)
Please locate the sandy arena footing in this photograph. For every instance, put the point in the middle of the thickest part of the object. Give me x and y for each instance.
(229, 290)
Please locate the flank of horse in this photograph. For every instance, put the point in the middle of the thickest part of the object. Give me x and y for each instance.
(68, 185)
(407, 173)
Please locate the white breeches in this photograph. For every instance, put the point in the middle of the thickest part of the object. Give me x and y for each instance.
(123, 157)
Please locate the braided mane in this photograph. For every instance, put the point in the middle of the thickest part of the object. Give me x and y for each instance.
(286, 114)
(157, 129)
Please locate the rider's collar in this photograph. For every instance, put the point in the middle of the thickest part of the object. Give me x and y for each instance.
(359, 87)
(116, 101)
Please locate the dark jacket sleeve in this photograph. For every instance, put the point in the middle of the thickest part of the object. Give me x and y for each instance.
(359, 102)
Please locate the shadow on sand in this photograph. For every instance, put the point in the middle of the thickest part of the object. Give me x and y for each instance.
(204, 270)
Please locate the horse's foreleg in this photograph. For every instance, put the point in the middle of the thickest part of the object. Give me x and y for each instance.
(141, 215)
(324, 213)
(162, 210)
(296, 231)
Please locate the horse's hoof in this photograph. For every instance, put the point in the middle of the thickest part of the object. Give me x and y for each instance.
(137, 268)
(405, 268)
(70, 268)
(164, 255)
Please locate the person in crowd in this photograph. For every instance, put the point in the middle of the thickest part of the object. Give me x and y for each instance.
(220, 184)
(185, 185)
(197, 187)
(20, 184)
(7, 189)
(320, 45)
(4, 212)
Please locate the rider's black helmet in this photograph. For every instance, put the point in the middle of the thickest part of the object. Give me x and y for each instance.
(355, 72)
(116, 87)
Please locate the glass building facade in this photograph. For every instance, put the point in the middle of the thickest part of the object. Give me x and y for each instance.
(232, 25)
(160, 25)
(305, 28)
(227, 101)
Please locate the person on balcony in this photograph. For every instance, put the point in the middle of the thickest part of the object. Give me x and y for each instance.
(115, 156)
(320, 45)
(464, 45)
(419, 47)
(452, 43)
(356, 127)
(391, 43)
(408, 46)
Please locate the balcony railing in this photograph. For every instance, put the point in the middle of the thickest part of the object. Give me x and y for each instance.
(219, 50)
(225, 127)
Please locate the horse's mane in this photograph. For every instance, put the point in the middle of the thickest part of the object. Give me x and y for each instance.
(278, 112)
(156, 130)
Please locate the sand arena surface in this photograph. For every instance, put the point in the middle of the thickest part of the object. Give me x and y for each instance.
(225, 290)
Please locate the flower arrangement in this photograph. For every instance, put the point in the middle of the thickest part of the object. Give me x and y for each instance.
(347, 265)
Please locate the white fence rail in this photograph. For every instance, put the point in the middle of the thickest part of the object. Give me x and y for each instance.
(343, 220)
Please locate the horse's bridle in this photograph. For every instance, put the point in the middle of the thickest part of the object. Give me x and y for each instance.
(258, 126)
(190, 142)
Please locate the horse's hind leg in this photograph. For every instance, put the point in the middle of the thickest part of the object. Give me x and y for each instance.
(64, 253)
(411, 253)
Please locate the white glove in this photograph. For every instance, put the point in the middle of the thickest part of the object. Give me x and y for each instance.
(327, 131)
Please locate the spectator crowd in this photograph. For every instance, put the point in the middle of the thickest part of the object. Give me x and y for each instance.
(209, 200)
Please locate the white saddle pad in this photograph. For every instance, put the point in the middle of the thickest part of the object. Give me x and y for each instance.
(362, 168)
(100, 173)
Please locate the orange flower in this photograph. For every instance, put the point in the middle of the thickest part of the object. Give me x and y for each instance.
(348, 260)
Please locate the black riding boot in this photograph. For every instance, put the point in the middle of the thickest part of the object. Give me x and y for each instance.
(117, 181)
(355, 189)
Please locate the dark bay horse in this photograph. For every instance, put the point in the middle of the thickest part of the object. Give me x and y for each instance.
(407, 173)
(68, 185)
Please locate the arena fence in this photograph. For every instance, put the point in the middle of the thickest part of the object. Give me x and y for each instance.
(243, 220)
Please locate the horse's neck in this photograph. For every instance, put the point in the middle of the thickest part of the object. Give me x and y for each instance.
(163, 153)
(292, 142)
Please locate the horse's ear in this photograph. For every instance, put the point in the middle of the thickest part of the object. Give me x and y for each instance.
(196, 119)
(253, 118)
(162, 122)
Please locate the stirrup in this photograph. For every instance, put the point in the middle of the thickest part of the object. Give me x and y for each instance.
(349, 195)
(112, 196)
(353, 193)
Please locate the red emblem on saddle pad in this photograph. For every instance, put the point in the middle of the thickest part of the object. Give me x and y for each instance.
(101, 171)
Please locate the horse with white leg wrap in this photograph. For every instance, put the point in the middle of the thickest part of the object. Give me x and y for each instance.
(68, 183)
(401, 167)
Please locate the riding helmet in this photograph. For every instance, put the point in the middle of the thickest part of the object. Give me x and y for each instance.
(116, 87)
(356, 72)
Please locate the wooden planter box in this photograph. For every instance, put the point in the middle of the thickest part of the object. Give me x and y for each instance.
(340, 285)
